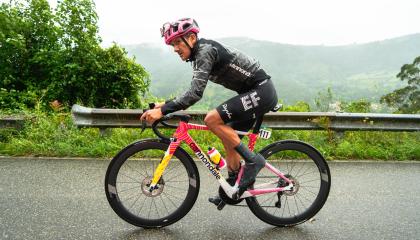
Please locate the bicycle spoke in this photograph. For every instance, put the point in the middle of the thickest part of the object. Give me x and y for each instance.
(142, 205)
(157, 210)
(172, 177)
(284, 204)
(268, 198)
(120, 191)
(272, 199)
(297, 172)
(274, 213)
(173, 196)
(312, 180)
(129, 196)
(291, 169)
(128, 165)
(130, 178)
(132, 205)
(163, 202)
(185, 181)
(311, 192)
(300, 201)
(170, 199)
(297, 207)
(174, 187)
(298, 176)
(307, 186)
(169, 171)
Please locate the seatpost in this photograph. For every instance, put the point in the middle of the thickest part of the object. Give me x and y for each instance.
(258, 124)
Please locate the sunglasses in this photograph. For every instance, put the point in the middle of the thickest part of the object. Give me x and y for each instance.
(165, 28)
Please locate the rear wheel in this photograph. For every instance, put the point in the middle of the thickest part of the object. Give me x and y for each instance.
(309, 172)
(128, 180)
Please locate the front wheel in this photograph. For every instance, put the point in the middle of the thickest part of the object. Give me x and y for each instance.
(311, 178)
(128, 179)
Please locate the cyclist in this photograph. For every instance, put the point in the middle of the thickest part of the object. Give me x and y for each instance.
(232, 69)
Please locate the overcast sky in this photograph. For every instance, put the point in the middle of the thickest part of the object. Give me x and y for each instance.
(308, 22)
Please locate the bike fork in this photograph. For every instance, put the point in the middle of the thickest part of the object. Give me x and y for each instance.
(163, 164)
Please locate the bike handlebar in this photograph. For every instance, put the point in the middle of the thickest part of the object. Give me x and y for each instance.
(163, 120)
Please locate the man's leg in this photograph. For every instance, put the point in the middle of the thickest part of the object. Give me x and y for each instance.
(228, 136)
(233, 158)
(254, 162)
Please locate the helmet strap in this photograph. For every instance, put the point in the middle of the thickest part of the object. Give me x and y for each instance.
(186, 43)
(192, 49)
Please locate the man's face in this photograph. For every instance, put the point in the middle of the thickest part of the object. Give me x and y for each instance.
(181, 48)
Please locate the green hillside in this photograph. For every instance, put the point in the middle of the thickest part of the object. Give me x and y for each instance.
(352, 71)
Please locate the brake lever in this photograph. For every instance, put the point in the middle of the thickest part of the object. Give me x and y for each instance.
(143, 123)
(143, 126)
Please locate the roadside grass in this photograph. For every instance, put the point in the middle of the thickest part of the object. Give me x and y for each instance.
(54, 135)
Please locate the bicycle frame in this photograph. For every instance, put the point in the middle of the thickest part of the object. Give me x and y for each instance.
(181, 135)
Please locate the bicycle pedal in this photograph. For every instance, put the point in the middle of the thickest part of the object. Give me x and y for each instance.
(215, 200)
(221, 205)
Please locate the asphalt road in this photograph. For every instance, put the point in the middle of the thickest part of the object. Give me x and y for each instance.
(64, 199)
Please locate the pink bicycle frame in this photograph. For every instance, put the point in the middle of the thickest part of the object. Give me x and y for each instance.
(181, 135)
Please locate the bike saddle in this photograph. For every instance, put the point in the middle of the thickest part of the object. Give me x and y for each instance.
(278, 107)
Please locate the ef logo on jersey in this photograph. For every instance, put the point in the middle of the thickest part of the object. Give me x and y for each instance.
(250, 101)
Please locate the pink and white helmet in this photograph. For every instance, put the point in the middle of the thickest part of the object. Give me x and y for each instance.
(170, 31)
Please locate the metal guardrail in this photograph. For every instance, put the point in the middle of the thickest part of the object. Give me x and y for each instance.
(126, 118)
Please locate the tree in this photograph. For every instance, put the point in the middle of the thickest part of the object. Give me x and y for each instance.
(407, 99)
(359, 106)
(324, 100)
(28, 45)
(48, 55)
(12, 47)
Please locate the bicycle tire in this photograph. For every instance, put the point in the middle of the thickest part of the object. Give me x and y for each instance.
(133, 167)
(285, 214)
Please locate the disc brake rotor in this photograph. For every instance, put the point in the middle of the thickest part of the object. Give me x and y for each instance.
(145, 187)
(295, 188)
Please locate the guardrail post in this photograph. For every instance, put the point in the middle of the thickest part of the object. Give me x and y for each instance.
(12, 122)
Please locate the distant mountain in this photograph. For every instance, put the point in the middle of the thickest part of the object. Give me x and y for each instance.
(299, 72)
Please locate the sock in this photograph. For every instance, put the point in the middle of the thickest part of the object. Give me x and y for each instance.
(245, 153)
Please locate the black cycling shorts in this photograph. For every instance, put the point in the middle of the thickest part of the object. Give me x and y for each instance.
(241, 112)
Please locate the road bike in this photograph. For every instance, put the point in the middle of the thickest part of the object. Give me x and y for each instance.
(153, 183)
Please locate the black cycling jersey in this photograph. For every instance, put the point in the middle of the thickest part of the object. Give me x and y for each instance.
(220, 64)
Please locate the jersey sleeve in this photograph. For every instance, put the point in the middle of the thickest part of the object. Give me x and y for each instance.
(202, 67)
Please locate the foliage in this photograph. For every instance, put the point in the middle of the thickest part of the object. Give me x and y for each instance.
(300, 106)
(53, 134)
(407, 99)
(360, 106)
(324, 100)
(48, 55)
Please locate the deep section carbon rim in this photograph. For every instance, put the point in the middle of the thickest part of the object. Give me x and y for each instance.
(310, 175)
(128, 183)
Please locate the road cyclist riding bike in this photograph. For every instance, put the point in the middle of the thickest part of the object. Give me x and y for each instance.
(230, 121)
(234, 70)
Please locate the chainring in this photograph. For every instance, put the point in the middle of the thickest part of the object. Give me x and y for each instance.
(227, 199)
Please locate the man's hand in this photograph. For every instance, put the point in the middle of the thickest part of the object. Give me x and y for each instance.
(159, 105)
(151, 115)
